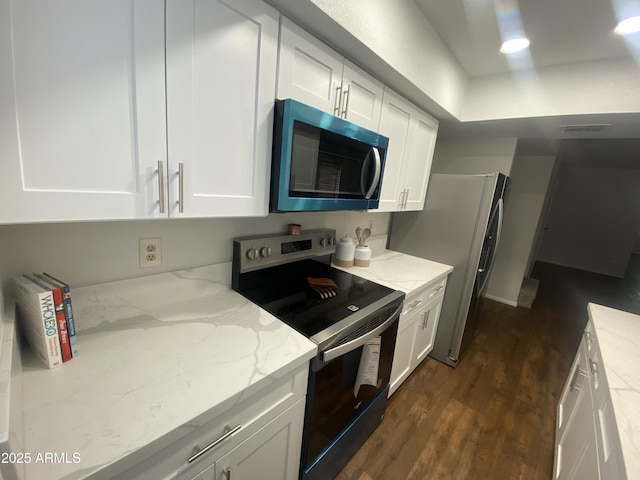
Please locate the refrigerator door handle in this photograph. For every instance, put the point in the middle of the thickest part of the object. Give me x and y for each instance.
(495, 247)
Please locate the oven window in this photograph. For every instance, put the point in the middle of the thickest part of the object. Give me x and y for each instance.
(333, 404)
(328, 165)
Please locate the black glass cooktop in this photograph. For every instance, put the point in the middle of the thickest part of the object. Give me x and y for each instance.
(284, 292)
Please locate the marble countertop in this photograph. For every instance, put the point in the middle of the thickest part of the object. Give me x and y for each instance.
(618, 335)
(400, 271)
(156, 353)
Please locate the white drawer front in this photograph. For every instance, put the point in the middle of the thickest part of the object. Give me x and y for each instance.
(251, 414)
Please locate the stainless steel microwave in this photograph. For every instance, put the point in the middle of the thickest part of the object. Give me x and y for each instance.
(322, 162)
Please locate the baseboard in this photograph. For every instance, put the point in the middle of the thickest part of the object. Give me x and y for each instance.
(501, 300)
(582, 268)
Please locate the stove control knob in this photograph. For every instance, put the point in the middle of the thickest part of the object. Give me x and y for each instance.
(265, 252)
(332, 241)
(252, 254)
(323, 242)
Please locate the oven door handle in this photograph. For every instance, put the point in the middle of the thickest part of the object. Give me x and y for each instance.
(340, 350)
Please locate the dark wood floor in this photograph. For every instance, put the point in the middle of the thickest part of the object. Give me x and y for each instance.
(493, 417)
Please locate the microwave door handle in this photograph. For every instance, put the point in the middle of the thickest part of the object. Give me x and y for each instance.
(340, 350)
(376, 176)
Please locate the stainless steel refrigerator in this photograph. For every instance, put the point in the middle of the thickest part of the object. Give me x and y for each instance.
(459, 226)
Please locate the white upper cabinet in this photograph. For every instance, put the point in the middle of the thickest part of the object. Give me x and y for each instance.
(221, 75)
(89, 131)
(412, 138)
(312, 73)
(82, 112)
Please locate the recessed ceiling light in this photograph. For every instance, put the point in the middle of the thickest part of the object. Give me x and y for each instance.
(628, 25)
(514, 45)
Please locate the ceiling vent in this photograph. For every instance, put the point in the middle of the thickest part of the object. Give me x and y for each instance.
(586, 127)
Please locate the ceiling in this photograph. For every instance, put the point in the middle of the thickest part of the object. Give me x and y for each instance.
(561, 31)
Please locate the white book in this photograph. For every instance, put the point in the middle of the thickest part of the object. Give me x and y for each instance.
(37, 319)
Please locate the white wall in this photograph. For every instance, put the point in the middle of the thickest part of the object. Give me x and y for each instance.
(472, 156)
(588, 88)
(529, 183)
(594, 217)
(86, 253)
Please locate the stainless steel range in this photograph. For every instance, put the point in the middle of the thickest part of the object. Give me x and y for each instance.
(354, 322)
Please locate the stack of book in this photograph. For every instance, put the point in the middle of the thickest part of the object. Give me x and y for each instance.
(45, 317)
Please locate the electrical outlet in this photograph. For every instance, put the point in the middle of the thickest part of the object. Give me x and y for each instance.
(150, 252)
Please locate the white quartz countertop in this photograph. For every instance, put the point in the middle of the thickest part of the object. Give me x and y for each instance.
(618, 335)
(400, 271)
(156, 353)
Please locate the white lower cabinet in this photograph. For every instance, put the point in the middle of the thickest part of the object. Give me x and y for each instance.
(257, 437)
(416, 331)
(576, 451)
(273, 452)
(587, 441)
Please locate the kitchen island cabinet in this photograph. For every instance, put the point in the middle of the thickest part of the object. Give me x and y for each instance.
(91, 131)
(167, 365)
(598, 422)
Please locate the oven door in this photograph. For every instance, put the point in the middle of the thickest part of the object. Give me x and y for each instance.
(322, 162)
(344, 381)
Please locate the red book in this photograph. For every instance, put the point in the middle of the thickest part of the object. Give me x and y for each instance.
(58, 305)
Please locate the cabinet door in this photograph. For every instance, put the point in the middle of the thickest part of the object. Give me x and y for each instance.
(82, 108)
(401, 366)
(576, 455)
(426, 327)
(308, 70)
(417, 160)
(221, 71)
(361, 98)
(610, 457)
(395, 121)
(273, 452)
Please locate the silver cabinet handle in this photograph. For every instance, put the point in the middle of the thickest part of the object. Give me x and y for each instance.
(181, 187)
(215, 443)
(346, 102)
(574, 384)
(227, 473)
(425, 318)
(338, 102)
(403, 198)
(435, 291)
(588, 337)
(161, 187)
(413, 305)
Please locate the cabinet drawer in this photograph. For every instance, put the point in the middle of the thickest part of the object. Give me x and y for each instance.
(251, 414)
(423, 295)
